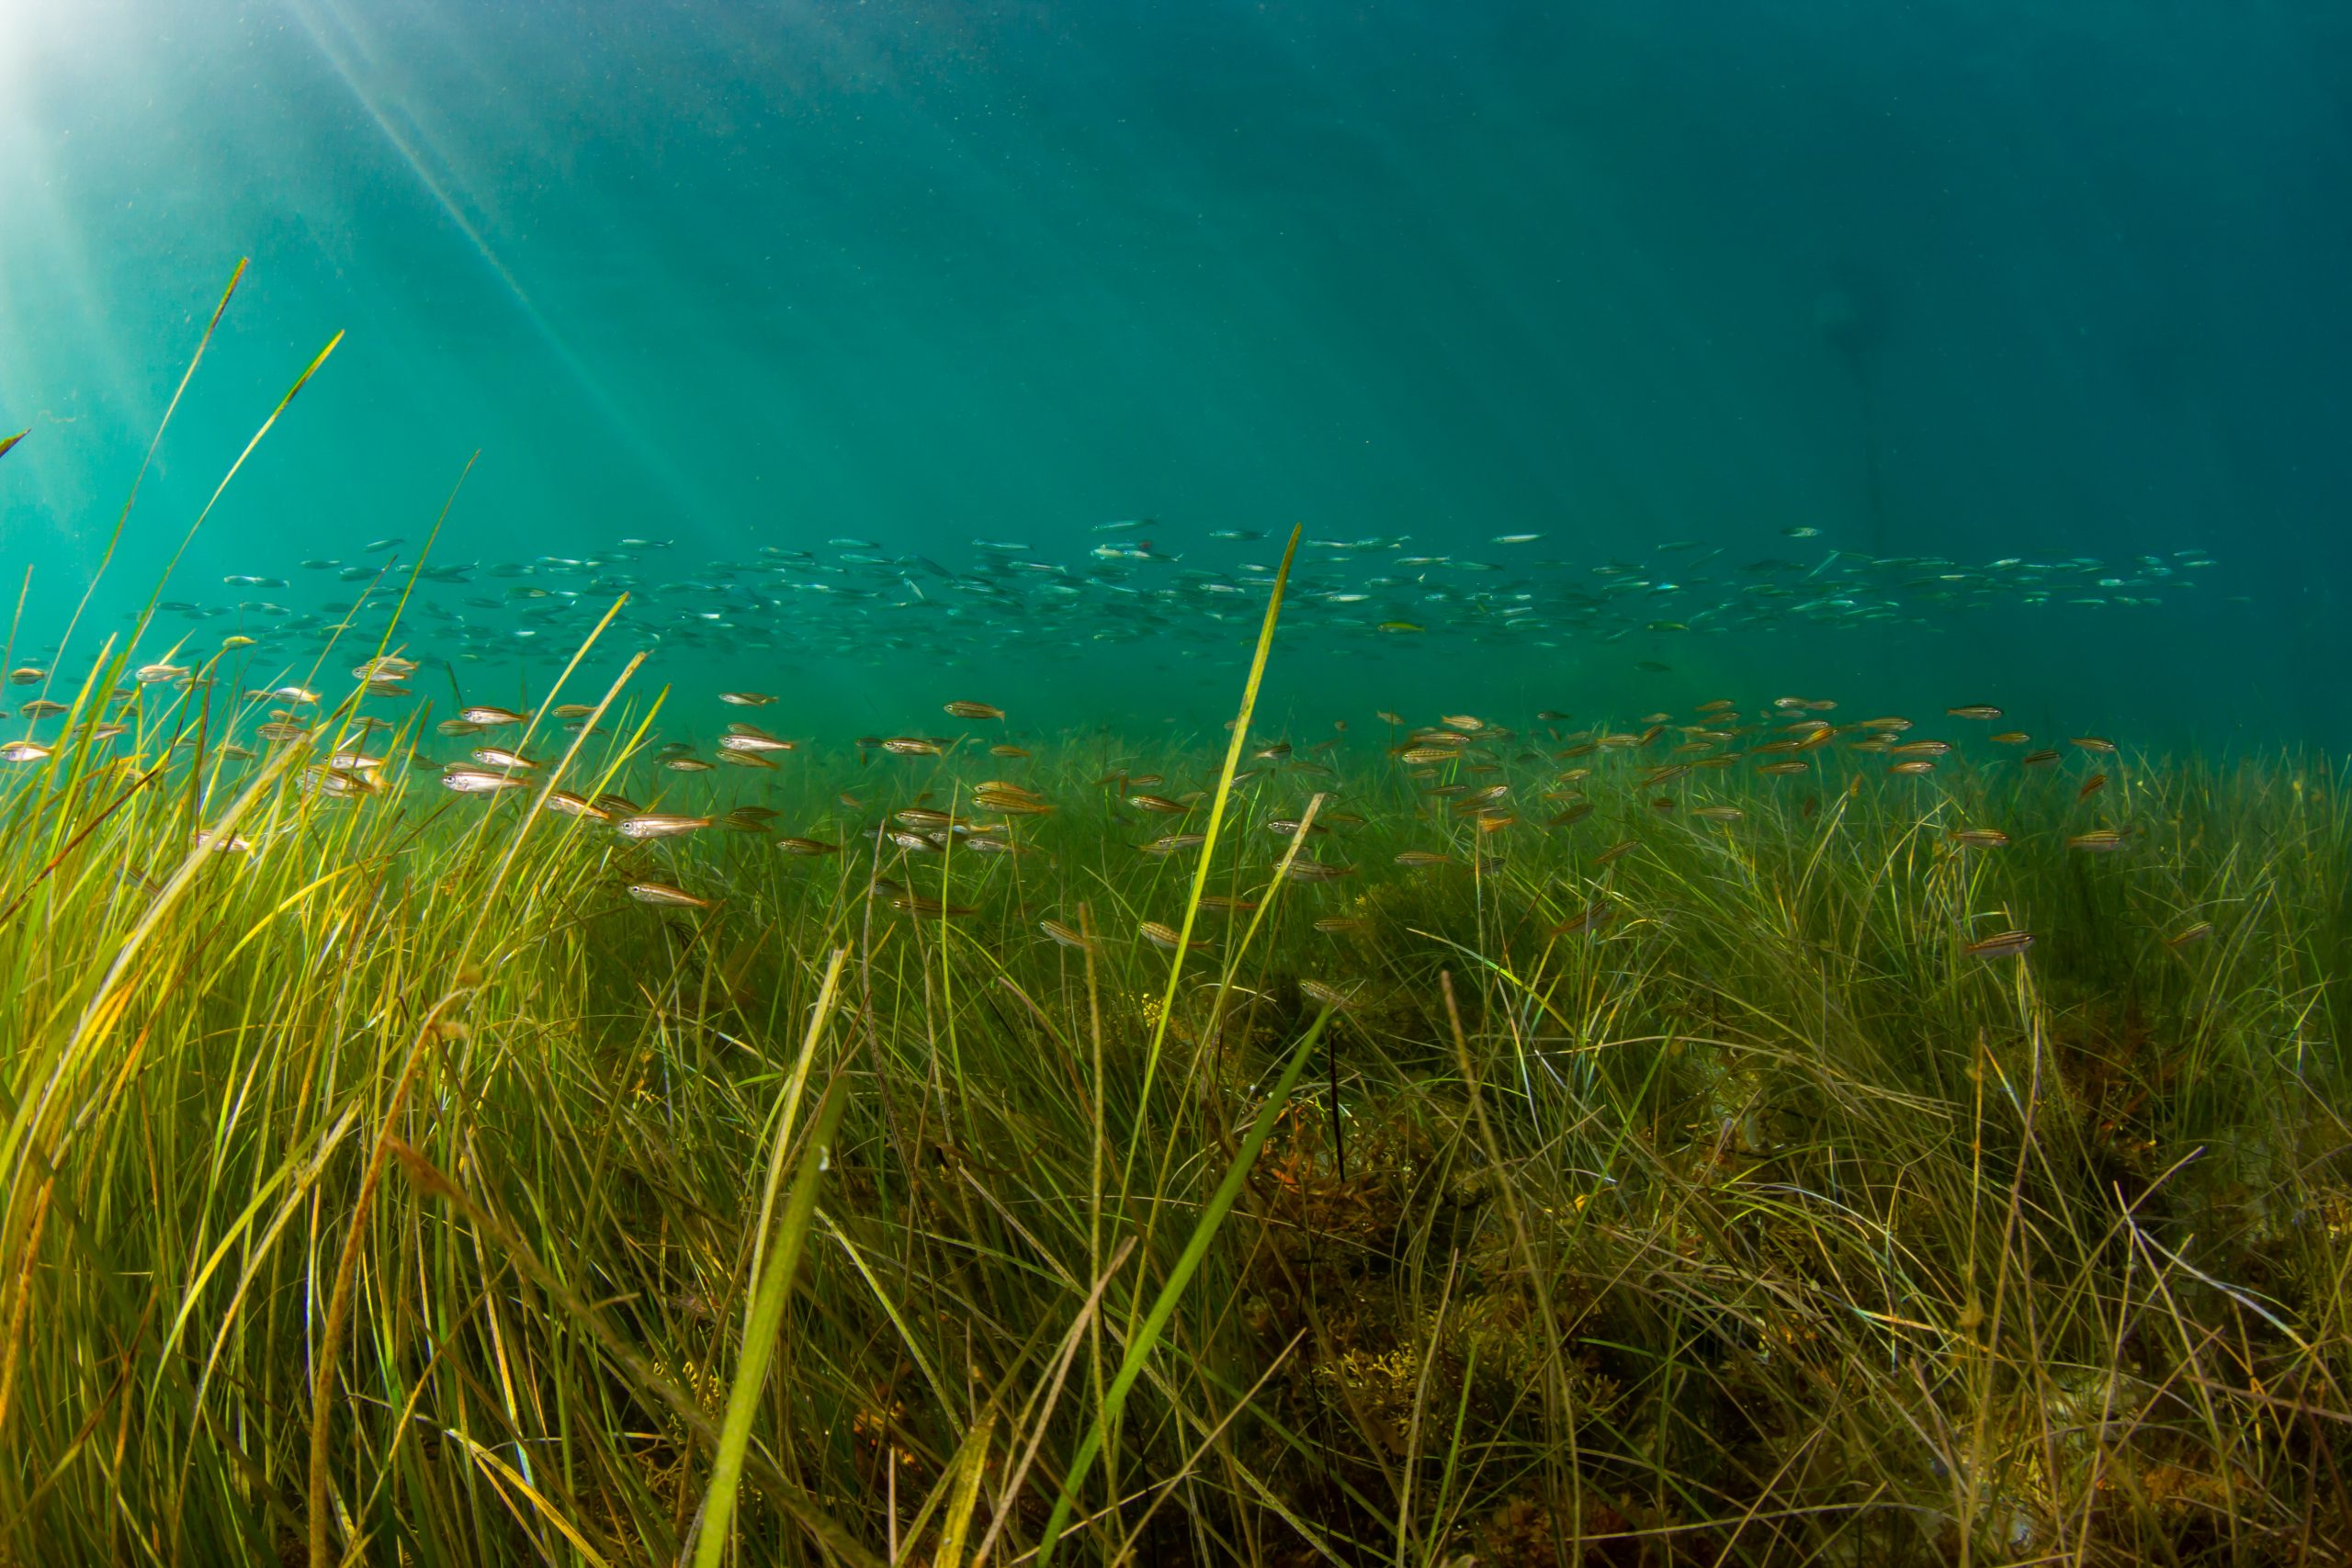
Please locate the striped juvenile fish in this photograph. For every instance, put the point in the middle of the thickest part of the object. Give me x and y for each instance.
(1592, 917)
(659, 824)
(993, 844)
(918, 903)
(466, 780)
(1174, 842)
(336, 783)
(663, 894)
(807, 847)
(745, 739)
(996, 794)
(1322, 995)
(1065, 935)
(2007, 944)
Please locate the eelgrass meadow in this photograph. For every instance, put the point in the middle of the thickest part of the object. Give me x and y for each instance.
(1705, 1138)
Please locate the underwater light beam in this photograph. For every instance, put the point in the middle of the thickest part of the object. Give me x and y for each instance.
(54, 319)
(671, 480)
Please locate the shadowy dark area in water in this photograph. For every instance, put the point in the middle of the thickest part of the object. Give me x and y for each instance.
(1961, 281)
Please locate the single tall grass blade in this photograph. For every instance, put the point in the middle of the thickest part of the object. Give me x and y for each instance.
(1217, 801)
(768, 1298)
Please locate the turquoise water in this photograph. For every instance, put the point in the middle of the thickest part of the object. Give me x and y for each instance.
(1963, 282)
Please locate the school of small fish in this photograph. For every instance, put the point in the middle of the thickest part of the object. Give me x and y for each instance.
(854, 597)
(1469, 784)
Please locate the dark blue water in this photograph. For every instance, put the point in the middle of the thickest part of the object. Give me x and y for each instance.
(1969, 281)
